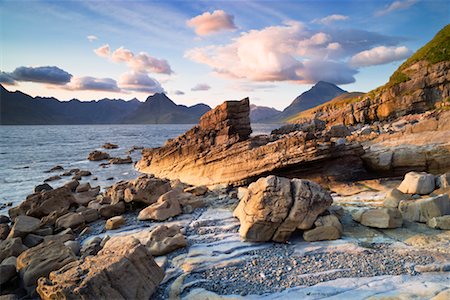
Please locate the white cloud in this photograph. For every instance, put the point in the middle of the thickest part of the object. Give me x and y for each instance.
(178, 92)
(103, 51)
(209, 23)
(396, 5)
(141, 63)
(201, 87)
(92, 38)
(330, 19)
(93, 84)
(139, 82)
(379, 55)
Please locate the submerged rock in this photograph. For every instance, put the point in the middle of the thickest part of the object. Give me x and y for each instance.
(42, 187)
(124, 269)
(120, 161)
(98, 155)
(274, 207)
(110, 146)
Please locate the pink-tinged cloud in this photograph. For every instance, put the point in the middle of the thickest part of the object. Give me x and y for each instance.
(379, 56)
(139, 82)
(103, 51)
(396, 5)
(330, 19)
(209, 23)
(92, 84)
(201, 87)
(141, 63)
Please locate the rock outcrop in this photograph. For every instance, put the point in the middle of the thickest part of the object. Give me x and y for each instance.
(123, 269)
(274, 207)
(379, 217)
(220, 151)
(424, 209)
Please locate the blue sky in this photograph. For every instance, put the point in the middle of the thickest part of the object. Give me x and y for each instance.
(208, 51)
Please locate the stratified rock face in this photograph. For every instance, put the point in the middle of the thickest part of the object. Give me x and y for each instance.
(123, 269)
(219, 151)
(274, 207)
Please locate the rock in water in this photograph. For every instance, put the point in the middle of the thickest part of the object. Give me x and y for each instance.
(417, 183)
(379, 218)
(98, 155)
(274, 207)
(123, 269)
(110, 146)
(424, 209)
(41, 260)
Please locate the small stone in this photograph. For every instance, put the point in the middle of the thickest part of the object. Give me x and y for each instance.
(84, 173)
(114, 223)
(98, 155)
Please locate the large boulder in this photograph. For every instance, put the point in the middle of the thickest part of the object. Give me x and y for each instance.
(167, 206)
(111, 210)
(24, 225)
(43, 203)
(274, 207)
(442, 222)
(70, 220)
(379, 217)
(424, 209)
(417, 183)
(165, 239)
(11, 247)
(393, 198)
(123, 269)
(39, 261)
(145, 189)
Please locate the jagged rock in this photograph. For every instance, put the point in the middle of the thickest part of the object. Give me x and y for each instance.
(7, 272)
(52, 178)
(110, 146)
(32, 240)
(83, 187)
(121, 161)
(274, 207)
(11, 247)
(74, 246)
(326, 228)
(90, 215)
(145, 189)
(111, 210)
(424, 209)
(417, 183)
(379, 218)
(72, 185)
(165, 239)
(70, 220)
(39, 261)
(91, 247)
(51, 218)
(338, 131)
(24, 225)
(442, 222)
(98, 155)
(41, 204)
(42, 187)
(4, 231)
(84, 197)
(197, 190)
(114, 223)
(393, 198)
(223, 153)
(167, 206)
(102, 276)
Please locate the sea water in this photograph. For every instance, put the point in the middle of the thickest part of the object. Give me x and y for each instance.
(26, 152)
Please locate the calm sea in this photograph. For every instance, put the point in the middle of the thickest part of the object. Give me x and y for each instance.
(26, 152)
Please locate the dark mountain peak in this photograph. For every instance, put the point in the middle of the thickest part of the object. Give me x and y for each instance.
(323, 85)
(159, 99)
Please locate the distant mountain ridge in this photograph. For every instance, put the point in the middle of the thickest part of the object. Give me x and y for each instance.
(17, 108)
(258, 114)
(320, 93)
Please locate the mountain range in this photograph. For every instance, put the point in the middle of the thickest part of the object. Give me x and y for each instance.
(17, 108)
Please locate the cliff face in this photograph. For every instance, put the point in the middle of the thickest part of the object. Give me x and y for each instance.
(220, 151)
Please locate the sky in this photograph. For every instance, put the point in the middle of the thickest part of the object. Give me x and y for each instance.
(208, 51)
